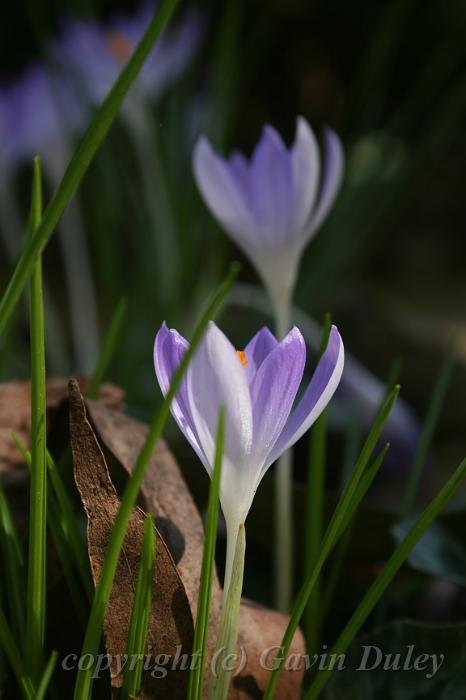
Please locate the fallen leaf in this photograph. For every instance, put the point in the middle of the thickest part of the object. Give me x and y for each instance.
(166, 495)
(15, 414)
(170, 623)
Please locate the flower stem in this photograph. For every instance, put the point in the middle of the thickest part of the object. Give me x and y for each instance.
(223, 661)
(283, 498)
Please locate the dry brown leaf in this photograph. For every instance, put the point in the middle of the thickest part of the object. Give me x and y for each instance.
(170, 624)
(166, 495)
(15, 414)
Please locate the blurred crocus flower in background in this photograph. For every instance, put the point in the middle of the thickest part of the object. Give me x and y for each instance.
(258, 387)
(273, 204)
(45, 117)
(95, 53)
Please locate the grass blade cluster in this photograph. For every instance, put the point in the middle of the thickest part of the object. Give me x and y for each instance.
(66, 535)
(339, 520)
(387, 574)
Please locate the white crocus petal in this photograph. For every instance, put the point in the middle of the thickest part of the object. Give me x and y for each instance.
(305, 168)
(331, 180)
(217, 378)
(221, 193)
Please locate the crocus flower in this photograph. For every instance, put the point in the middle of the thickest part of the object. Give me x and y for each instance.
(45, 116)
(258, 387)
(95, 53)
(46, 113)
(273, 204)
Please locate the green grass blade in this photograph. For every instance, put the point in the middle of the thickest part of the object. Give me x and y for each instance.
(81, 160)
(387, 574)
(346, 529)
(13, 655)
(47, 676)
(362, 488)
(102, 593)
(428, 429)
(80, 600)
(365, 455)
(63, 519)
(70, 528)
(13, 569)
(36, 579)
(139, 624)
(333, 533)
(314, 508)
(201, 629)
(108, 348)
(335, 568)
(57, 521)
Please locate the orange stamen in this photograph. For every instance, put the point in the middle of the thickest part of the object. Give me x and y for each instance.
(242, 357)
(120, 46)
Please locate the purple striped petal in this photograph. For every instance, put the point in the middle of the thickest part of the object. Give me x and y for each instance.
(257, 350)
(331, 181)
(221, 194)
(169, 348)
(305, 166)
(316, 397)
(271, 185)
(239, 170)
(273, 391)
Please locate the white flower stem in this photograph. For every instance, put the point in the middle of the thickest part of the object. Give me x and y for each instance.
(284, 560)
(232, 525)
(224, 658)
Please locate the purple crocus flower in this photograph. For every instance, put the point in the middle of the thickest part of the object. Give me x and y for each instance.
(39, 112)
(95, 53)
(273, 204)
(258, 387)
